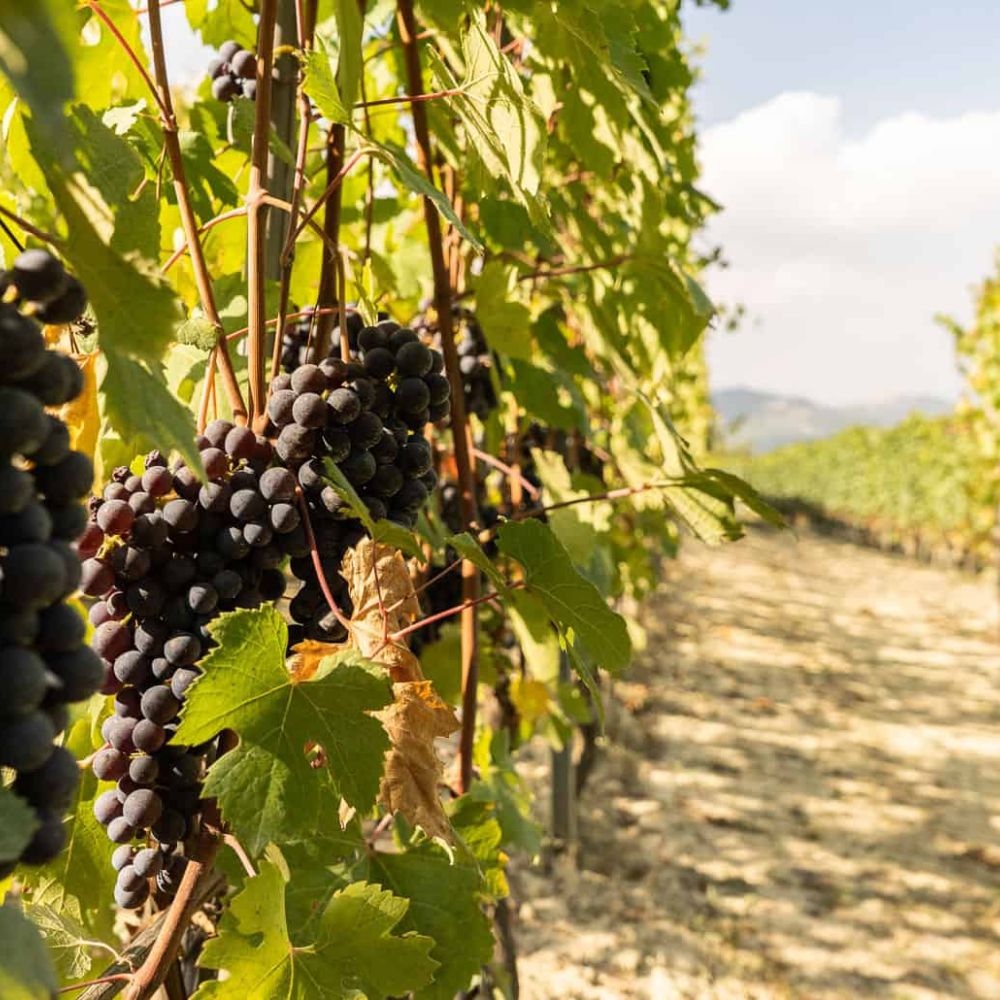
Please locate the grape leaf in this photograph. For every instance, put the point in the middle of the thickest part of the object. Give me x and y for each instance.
(321, 85)
(140, 407)
(66, 939)
(382, 530)
(415, 719)
(406, 171)
(505, 128)
(349, 30)
(350, 953)
(17, 824)
(26, 971)
(269, 788)
(445, 896)
(573, 602)
(470, 549)
(506, 323)
(32, 33)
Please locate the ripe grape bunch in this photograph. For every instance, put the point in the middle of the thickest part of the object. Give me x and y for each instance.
(475, 359)
(44, 659)
(165, 554)
(233, 72)
(366, 417)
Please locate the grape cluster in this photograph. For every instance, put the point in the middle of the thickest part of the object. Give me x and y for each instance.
(475, 359)
(367, 417)
(39, 282)
(44, 661)
(233, 72)
(296, 340)
(164, 554)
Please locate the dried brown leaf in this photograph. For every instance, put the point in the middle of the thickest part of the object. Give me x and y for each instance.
(413, 771)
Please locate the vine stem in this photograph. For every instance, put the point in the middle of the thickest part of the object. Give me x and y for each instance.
(561, 272)
(115, 977)
(257, 213)
(39, 234)
(165, 109)
(171, 140)
(464, 461)
(317, 562)
(507, 470)
(334, 185)
(18, 245)
(451, 612)
(305, 16)
(233, 213)
(326, 295)
(410, 98)
(150, 975)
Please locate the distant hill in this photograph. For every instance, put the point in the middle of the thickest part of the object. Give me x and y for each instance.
(762, 421)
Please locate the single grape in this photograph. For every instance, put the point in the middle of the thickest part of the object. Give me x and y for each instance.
(148, 736)
(120, 733)
(240, 443)
(412, 395)
(365, 431)
(143, 808)
(131, 899)
(413, 359)
(107, 807)
(246, 505)
(202, 598)
(180, 515)
(52, 785)
(148, 862)
(343, 406)
(56, 445)
(182, 650)
(33, 524)
(127, 703)
(308, 378)
(284, 517)
(38, 276)
(122, 856)
(169, 828)
(181, 680)
(295, 443)
(66, 480)
(132, 667)
(109, 764)
(157, 480)
(120, 831)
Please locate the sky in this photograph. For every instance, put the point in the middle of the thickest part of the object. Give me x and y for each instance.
(855, 149)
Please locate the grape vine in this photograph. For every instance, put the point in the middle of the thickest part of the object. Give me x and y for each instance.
(389, 397)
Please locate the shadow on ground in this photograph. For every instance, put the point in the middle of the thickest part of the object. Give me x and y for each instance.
(801, 797)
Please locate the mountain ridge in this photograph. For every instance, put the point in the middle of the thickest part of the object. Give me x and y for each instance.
(761, 420)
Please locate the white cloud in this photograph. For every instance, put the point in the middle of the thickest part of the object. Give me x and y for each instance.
(843, 249)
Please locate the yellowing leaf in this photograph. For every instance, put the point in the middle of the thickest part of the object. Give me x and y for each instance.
(530, 697)
(82, 415)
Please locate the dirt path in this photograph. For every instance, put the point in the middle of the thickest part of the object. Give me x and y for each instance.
(804, 796)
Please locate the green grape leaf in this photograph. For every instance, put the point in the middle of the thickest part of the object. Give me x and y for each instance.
(573, 602)
(17, 824)
(387, 532)
(36, 33)
(745, 492)
(26, 971)
(80, 880)
(197, 331)
(111, 165)
(445, 893)
(468, 548)
(66, 939)
(350, 25)
(270, 787)
(220, 20)
(409, 175)
(507, 324)
(350, 953)
(504, 127)
(500, 788)
(141, 408)
(321, 84)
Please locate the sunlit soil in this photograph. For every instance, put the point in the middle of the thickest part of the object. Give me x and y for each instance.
(802, 793)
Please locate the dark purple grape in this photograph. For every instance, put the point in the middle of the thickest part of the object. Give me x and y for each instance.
(107, 807)
(148, 736)
(109, 764)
